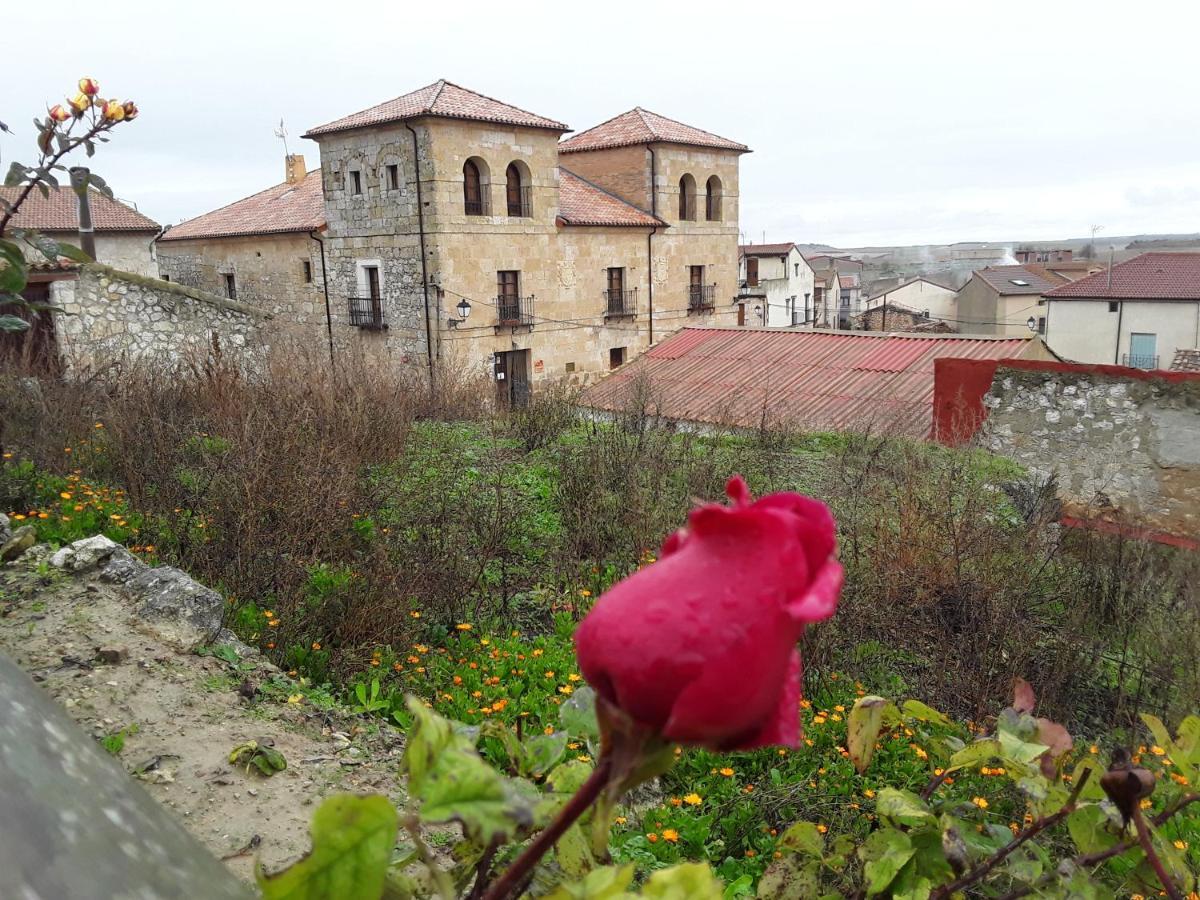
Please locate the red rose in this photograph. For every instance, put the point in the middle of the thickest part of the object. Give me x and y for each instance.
(701, 646)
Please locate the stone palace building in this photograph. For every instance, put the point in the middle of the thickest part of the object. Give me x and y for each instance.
(448, 229)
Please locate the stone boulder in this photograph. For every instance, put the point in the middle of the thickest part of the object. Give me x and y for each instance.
(85, 554)
(177, 608)
(20, 541)
(5, 530)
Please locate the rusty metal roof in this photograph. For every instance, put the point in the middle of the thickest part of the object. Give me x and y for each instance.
(815, 380)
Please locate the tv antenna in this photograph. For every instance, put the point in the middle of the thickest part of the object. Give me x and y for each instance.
(281, 133)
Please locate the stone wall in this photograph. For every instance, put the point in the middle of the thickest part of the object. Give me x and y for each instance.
(1120, 442)
(109, 314)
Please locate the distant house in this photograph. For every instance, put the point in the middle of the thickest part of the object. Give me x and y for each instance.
(815, 380)
(776, 279)
(837, 290)
(1138, 314)
(124, 237)
(934, 298)
(898, 317)
(264, 250)
(1001, 300)
(1034, 255)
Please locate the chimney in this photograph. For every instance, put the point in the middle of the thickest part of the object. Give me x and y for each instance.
(293, 168)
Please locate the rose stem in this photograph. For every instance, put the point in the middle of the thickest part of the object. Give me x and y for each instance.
(1143, 833)
(583, 798)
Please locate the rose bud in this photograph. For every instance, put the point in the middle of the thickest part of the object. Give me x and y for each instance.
(114, 111)
(131, 110)
(700, 647)
(79, 104)
(58, 113)
(89, 86)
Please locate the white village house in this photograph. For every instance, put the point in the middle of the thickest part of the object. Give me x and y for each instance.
(777, 284)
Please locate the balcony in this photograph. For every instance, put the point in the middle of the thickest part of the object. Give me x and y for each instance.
(514, 312)
(366, 312)
(618, 303)
(1139, 361)
(479, 207)
(701, 297)
(522, 207)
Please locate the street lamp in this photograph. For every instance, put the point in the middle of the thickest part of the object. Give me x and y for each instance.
(1031, 323)
(758, 312)
(464, 310)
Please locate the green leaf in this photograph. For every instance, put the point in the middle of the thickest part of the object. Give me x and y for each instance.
(803, 838)
(884, 854)
(1013, 749)
(352, 839)
(569, 777)
(453, 783)
(975, 753)
(70, 251)
(608, 883)
(915, 709)
(578, 714)
(542, 752)
(862, 729)
(688, 881)
(790, 878)
(902, 807)
(573, 852)
(1088, 827)
(13, 323)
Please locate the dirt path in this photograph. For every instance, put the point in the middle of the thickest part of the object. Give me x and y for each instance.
(182, 714)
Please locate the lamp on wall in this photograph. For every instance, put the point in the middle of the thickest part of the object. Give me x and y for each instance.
(758, 312)
(464, 310)
(1031, 323)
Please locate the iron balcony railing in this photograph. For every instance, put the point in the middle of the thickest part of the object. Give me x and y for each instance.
(512, 311)
(521, 207)
(620, 302)
(480, 207)
(366, 312)
(702, 296)
(1139, 361)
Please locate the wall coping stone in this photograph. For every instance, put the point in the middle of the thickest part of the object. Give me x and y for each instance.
(171, 287)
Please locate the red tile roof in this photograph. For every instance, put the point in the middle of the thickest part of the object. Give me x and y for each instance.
(60, 212)
(442, 99)
(640, 126)
(1003, 279)
(582, 203)
(766, 249)
(809, 379)
(1151, 276)
(277, 210)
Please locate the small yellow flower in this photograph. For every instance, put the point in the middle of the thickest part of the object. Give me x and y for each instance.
(566, 689)
(574, 677)
(64, 495)
(1158, 751)
(463, 626)
(670, 835)
(620, 820)
(1181, 845)
(981, 802)
(316, 645)
(822, 828)
(693, 799)
(727, 772)
(414, 614)
(869, 794)
(295, 698)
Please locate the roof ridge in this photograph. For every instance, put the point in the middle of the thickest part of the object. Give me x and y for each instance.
(580, 134)
(642, 109)
(243, 199)
(609, 193)
(441, 86)
(527, 112)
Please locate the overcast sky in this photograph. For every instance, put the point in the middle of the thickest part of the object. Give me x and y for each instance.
(871, 123)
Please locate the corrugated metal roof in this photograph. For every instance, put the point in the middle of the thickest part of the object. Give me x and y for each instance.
(741, 377)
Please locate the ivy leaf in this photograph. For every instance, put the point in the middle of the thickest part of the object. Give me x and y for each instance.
(352, 840)
(902, 807)
(862, 729)
(884, 854)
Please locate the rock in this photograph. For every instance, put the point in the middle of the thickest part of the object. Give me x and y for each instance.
(22, 539)
(112, 655)
(176, 607)
(226, 638)
(84, 554)
(122, 567)
(5, 529)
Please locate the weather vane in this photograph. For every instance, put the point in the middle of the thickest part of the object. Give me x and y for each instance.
(281, 133)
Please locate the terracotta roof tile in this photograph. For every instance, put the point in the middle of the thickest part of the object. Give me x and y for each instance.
(766, 249)
(1003, 279)
(1186, 361)
(1150, 276)
(582, 203)
(640, 126)
(816, 380)
(442, 99)
(279, 209)
(60, 212)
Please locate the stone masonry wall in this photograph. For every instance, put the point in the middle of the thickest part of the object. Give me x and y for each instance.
(1117, 444)
(112, 314)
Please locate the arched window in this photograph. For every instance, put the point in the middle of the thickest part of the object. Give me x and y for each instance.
(475, 198)
(712, 199)
(687, 198)
(517, 190)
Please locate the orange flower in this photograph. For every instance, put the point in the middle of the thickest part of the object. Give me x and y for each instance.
(670, 835)
(727, 772)
(316, 645)
(652, 838)
(89, 86)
